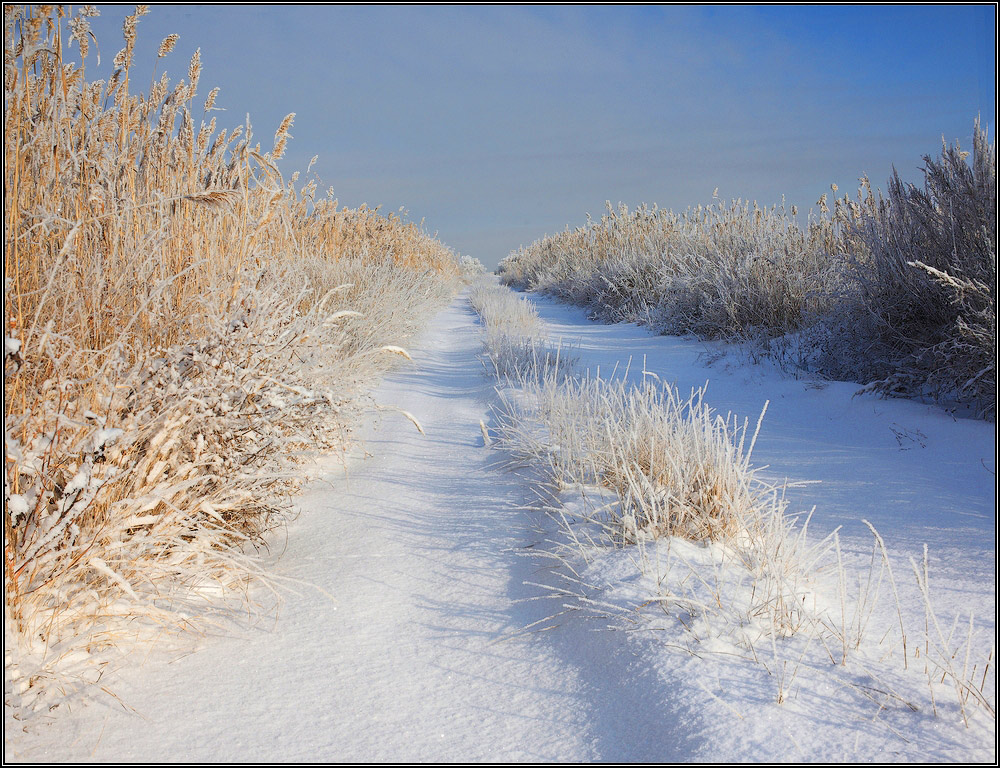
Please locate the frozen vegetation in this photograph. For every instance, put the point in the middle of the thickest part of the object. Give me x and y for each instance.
(286, 481)
(181, 325)
(784, 616)
(895, 291)
(496, 589)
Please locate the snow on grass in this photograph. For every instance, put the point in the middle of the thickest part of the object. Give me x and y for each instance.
(430, 613)
(896, 291)
(399, 634)
(515, 342)
(181, 325)
(795, 627)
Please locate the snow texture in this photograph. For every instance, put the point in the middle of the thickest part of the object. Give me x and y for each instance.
(415, 625)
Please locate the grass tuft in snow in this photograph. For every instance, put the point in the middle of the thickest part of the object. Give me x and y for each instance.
(645, 482)
(515, 345)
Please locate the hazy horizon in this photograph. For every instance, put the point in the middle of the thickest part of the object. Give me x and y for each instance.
(497, 125)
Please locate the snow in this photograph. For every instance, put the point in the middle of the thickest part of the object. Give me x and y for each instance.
(421, 621)
(11, 346)
(914, 471)
(17, 507)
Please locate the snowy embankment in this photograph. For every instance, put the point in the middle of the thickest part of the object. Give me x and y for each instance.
(424, 617)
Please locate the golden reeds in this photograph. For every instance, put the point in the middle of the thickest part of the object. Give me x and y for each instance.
(179, 321)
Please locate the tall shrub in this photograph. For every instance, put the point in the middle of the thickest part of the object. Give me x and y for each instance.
(919, 314)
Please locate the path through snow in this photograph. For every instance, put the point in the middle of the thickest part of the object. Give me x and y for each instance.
(426, 552)
(423, 548)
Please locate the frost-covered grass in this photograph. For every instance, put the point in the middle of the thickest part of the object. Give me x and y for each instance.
(895, 292)
(677, 469)
(918, 316)
(722, 271)
(515, 344)
(666, 525)
(181, 324)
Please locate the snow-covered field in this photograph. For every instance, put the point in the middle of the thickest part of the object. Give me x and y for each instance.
(918, 475)
(418, 620)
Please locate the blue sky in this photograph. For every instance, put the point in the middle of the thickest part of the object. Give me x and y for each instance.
(496, 125)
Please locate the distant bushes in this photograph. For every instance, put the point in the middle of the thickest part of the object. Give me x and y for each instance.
(180, 323)
(896, 292)
(721, 271)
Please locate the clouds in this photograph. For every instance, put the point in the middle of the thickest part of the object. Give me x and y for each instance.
(491, 122)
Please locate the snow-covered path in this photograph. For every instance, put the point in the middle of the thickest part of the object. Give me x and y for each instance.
(422, 549)
(417, 651)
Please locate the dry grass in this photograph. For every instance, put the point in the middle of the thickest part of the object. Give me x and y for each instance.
(678, 468)
(640, 466)
(896, 292)
(515, 345)
(180, 320)
(725, 271)
(918, 314)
